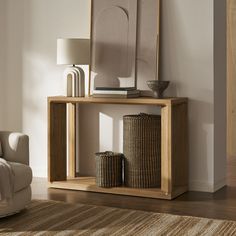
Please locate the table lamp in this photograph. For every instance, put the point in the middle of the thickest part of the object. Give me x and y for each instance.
(74, 52)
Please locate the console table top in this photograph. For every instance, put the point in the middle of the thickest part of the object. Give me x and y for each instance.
(128, 101)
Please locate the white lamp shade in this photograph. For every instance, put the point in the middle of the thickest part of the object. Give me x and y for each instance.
(73, 51)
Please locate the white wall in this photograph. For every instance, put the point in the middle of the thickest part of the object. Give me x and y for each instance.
(187, 57)
(13, 83)
(103, 130)
(2, 58)
(192, 51)
(45, 21)
(32, 74)
(187, 61)
(220, 94)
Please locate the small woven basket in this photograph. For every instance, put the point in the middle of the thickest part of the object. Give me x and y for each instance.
(142, 150)
(109, 169)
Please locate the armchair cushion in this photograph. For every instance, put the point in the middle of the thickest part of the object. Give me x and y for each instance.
(15, 147)
(22, 176)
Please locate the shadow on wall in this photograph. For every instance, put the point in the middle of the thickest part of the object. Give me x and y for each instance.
(186, 54)
(14, 64)
(101, 129)
(201, 130)
(32, 73)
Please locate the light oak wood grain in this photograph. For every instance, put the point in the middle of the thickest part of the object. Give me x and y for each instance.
(71, 140)
(174, 145)
(166, 149)
(130, 101)
(88, 184)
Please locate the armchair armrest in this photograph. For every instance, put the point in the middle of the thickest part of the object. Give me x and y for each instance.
(15, 147)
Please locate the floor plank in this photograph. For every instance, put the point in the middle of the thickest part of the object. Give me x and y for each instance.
(221, 205)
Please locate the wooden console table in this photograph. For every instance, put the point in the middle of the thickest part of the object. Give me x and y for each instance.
(174, 147)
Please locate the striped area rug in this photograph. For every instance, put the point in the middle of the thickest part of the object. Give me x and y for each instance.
(57, 218)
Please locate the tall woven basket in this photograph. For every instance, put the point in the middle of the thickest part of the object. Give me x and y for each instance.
(109, 169)
(142, 150)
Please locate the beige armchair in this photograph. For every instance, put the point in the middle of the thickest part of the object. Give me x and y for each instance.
(16, 152)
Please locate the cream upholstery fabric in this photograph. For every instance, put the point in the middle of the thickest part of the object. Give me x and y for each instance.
(15, 148)
(22, 176)
(6, 183)
(20, 200)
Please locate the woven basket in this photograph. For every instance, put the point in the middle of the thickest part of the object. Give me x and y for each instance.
(142, 150)
(109, 169)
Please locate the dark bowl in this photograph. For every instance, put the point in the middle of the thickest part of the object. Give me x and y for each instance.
(158, 87)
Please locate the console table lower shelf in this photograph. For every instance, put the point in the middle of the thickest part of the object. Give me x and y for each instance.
(88, 184)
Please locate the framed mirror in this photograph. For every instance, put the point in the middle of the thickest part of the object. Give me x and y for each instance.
(124, 43)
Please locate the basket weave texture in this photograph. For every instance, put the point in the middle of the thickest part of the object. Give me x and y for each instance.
(109, 169)
(142, 150)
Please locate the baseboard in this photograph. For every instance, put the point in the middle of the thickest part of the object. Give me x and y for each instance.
(220, 184)
(201, 186)
(39, 179)
(41, 173)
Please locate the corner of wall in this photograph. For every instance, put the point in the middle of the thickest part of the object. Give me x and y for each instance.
(220, 92)
(200, 186)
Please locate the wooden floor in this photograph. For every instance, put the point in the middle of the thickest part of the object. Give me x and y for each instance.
(220, 205)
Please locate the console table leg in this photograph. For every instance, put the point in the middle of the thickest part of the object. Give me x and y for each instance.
(166, 149)
(72, 116)
(56, 141)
